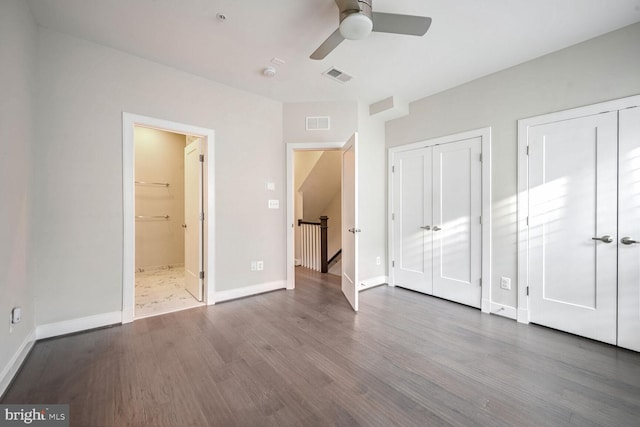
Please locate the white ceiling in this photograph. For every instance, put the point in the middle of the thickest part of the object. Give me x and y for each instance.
(467, 39)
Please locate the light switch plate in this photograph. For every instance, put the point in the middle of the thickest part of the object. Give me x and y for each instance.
(16, 315)
(274, 204)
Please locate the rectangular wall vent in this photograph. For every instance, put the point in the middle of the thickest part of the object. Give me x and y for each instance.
(338, 75)
(318, 123)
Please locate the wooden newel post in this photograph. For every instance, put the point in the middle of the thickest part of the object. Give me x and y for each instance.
(324, 262)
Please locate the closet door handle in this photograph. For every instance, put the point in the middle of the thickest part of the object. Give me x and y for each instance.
(426, 227)
(628, 241)
(184, 225)
(606, 239)
(436, 228)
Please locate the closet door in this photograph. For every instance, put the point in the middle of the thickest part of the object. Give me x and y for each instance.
(412, 220)
(629, 230)
(457, 230)
(573, 225)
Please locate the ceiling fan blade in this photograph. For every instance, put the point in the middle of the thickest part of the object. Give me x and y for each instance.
(400, 24)
(328, 45)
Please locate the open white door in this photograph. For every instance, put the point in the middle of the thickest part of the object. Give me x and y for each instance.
(193, 218)
(350, 228)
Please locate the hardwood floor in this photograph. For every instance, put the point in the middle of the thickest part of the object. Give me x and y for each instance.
(303, 358)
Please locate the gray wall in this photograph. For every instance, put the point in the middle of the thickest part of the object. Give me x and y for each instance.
(343, 116)
(371, 197)
(77, 226)
(604, 68)
(18, 59)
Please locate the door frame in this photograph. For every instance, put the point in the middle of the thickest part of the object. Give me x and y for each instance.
(522, 284)
(129, 121)
(485, 135)
(291, 148)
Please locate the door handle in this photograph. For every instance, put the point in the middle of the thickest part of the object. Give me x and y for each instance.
(426, 227)
(628, 241)
(184, 225)
(354, 230)
(606, 238)
(436, 228)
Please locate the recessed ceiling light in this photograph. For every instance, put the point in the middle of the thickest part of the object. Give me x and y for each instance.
(221, 17)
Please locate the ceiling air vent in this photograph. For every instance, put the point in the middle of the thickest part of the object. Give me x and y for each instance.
(318, 123)
(337, 75)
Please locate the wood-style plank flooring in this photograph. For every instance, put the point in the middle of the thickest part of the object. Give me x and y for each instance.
(303, 358)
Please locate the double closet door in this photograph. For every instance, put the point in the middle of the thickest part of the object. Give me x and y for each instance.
(437, 230)
(584, 226)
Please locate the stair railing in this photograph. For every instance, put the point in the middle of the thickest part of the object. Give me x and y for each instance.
(313, 238)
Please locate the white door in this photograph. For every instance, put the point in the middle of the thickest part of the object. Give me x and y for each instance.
(412, 220)
(457, 228)
(192, 217)
(437, 233)
(629, 230)
(573, 225)
(350, 228)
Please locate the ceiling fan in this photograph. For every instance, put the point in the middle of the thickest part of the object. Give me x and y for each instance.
(357, 20)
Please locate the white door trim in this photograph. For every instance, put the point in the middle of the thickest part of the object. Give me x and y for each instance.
(129, 121)
(523, 184)
(485, 135)
(290, 224)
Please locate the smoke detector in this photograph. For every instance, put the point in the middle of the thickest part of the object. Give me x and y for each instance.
(269, 72)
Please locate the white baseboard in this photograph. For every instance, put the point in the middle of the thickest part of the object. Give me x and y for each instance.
(77, 325)
(152, 268)
(9, 371)
(249, 290)
(503, 310)
(371, 282)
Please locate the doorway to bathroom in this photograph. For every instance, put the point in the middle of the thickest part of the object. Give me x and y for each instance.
(168, 230)
(168, 217)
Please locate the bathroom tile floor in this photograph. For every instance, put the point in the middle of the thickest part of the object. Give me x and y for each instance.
(161, 292)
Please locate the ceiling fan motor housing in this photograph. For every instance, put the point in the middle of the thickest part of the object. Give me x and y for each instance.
(356, 24)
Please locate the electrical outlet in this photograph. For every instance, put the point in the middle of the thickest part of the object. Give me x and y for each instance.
(378, 260)
(260, 265)
(505, 283)
(254, 266)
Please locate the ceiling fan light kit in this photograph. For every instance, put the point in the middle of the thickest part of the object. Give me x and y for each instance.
(357, 21)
